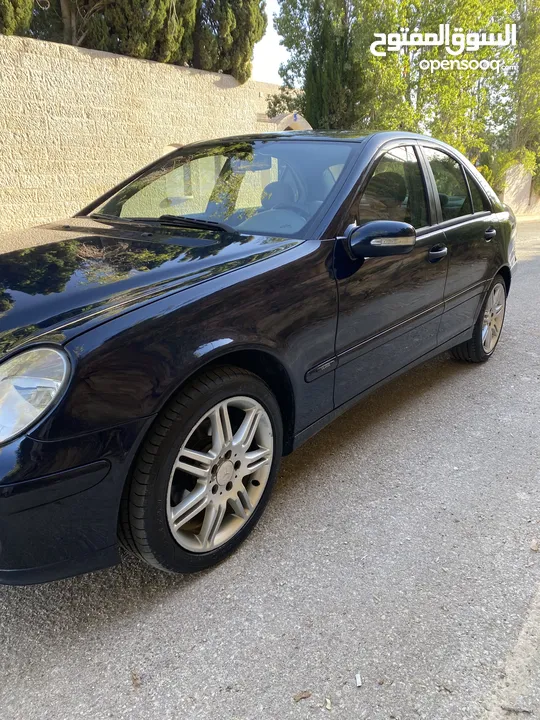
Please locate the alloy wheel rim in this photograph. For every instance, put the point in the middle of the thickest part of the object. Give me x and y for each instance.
(220, 474)
(493, 318)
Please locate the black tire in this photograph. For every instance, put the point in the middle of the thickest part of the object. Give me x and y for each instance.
(143, 526)
(472, 350)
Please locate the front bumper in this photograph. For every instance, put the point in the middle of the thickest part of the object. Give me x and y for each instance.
(59, 503)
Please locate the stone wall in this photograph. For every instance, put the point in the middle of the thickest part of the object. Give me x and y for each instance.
(74, 122)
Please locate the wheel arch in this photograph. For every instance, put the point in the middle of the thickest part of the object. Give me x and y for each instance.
(266, 366)
(272, 371)
(261, 363)
(507, 277)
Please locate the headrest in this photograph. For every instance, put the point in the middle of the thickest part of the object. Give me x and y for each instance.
(389, 187)
(443, 199)
(276, 193)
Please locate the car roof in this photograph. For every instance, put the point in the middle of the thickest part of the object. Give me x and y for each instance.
(318, 135)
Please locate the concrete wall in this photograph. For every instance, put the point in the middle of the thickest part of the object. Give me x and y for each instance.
(74, 122)
(519, 193)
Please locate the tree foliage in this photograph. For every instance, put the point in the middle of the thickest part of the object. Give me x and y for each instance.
(15, 16)
(154, 29)
(525, 123)
(491, 116)
(331, 74)
(286, 100)
(225, 34)
(216, 35)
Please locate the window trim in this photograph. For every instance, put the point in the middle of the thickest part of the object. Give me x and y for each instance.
(460, 218)
(466, 172)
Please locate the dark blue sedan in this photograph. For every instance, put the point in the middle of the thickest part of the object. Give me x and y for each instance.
(162, 350)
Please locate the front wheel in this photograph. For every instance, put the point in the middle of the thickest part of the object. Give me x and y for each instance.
(205, 472)
(488, 328)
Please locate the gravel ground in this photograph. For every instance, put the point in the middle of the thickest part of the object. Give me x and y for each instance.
(397, 546)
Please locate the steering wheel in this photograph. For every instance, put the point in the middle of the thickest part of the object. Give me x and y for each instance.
(293, 208)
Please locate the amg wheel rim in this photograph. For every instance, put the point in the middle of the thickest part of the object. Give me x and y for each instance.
(220, 474)
(493, 318)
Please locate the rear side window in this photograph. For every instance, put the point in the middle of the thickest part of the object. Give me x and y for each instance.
(451, 184)
(395, 191)
(479, 202)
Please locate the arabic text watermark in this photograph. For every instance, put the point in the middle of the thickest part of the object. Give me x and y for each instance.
(455, 43)
(434, 65)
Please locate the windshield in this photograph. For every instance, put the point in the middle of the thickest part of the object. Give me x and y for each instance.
(270, 187)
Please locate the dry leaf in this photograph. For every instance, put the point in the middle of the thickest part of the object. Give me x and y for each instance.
(135, 679)
(302, 695)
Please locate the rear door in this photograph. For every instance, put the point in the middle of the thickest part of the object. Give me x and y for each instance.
(469, 228)
(389, 307)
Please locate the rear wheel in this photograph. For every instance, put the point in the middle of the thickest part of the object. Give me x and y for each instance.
(205, 472)
(488, 328)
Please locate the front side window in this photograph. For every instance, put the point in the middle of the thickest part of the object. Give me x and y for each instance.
(451, 184)
(272, 187)
(395, 191)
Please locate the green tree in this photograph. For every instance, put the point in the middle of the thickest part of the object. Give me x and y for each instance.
(468, 108)
(460, 106)
(47, 23)
(296, 23)
(525, 128)
(15, 16)
(153, 29)
(286, 100)
(331, 75)
(217, 35)
(384, 100)
(319, 37)
(225, 34)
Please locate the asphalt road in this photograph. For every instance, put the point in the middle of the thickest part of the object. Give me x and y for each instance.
(397, 546)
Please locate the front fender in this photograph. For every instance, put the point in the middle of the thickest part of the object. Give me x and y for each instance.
(128, 367)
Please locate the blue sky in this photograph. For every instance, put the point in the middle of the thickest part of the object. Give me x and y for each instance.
(268, 53)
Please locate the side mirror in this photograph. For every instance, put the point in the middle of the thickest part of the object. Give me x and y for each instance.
(379, 238)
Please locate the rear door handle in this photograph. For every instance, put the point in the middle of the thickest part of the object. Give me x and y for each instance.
(437, 253)
(490, 233)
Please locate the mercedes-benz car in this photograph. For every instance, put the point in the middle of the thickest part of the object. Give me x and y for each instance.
(164, 348)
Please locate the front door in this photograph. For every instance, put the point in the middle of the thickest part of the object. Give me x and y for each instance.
(389, 307)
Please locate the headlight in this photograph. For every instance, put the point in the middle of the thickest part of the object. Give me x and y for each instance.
(29, 384)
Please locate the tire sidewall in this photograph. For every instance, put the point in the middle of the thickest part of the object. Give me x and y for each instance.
(498, 280)
(167, 552)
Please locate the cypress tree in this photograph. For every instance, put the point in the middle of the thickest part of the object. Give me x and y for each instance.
(225, 34)
(153, 29)
(15, 16)
(331, 73)
(216, 35)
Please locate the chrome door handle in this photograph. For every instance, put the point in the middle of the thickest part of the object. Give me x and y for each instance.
(490, 234)
(437, 252)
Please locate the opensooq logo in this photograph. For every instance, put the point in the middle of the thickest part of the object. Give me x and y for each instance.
(455, 44)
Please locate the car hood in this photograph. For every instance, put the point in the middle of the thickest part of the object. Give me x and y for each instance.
(85, 271)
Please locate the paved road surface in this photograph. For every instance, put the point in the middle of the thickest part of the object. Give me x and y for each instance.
(397, 546)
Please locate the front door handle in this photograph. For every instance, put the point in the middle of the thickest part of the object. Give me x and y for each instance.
(437, 252)
(490, 233)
